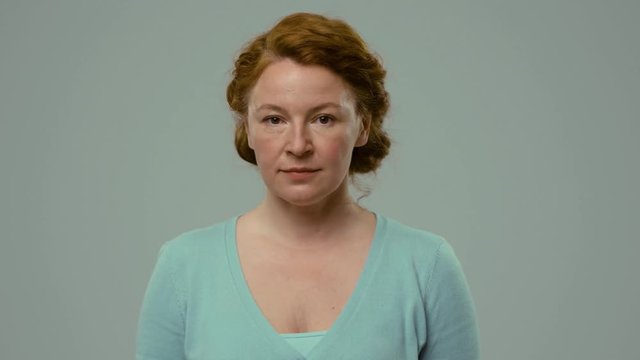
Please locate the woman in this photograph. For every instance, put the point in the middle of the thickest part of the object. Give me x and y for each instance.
(308, 274)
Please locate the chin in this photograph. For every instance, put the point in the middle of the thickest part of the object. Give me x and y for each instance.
(304, 197)
(302, 200)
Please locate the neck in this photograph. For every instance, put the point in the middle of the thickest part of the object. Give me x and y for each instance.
(315, 224)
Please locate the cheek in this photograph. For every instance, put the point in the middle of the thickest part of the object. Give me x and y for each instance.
(339, 151)
(264, 148)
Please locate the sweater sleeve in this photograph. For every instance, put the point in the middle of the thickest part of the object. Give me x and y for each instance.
(452, 332)
(161, 323)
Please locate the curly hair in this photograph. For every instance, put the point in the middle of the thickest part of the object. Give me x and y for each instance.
(311, 39)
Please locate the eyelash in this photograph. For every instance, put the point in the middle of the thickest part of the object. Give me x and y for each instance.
(269, 119)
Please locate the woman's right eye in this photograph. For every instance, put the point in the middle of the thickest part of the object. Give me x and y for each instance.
(273, 120)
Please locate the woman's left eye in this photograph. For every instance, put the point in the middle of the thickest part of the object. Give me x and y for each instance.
(324, 119)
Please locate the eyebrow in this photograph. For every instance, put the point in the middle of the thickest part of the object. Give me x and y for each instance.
(312, 110)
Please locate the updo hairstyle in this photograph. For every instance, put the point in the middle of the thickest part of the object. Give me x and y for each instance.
(311, 39)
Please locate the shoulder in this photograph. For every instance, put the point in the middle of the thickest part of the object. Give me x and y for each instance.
(195, 243)
(421, 251)
(407, 237)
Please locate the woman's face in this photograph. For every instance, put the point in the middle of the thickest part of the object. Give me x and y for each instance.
(302, 126)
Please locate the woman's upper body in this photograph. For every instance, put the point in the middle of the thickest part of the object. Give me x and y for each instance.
(411, 301)
(309, 101)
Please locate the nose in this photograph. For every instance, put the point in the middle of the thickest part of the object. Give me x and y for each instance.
(299, 142)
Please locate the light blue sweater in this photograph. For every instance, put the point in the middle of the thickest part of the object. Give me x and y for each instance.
(411, 302)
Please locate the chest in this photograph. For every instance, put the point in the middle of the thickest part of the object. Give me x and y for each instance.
(382, 316)
(303, 293)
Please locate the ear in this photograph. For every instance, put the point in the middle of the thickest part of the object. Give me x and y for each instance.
(245, 125)
(363, 136)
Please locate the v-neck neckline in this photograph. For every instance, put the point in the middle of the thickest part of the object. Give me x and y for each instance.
(264, 326)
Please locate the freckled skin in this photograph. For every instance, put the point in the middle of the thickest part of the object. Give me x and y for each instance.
(303, 116)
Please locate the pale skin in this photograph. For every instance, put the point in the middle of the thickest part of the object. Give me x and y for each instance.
(303, 248)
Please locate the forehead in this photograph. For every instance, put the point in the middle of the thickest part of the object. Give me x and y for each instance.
(286, 82)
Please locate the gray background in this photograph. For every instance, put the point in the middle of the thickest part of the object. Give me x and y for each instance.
(516, 137)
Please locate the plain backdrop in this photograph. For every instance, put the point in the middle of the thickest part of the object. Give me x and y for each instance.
(515, 128)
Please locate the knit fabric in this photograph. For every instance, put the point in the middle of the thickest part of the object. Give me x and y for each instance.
(411, 301)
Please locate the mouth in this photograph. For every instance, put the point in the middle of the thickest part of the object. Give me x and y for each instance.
(300, 174)
(299, 170)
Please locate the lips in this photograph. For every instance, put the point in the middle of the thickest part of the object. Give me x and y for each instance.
(299, 170)
(300, 174)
